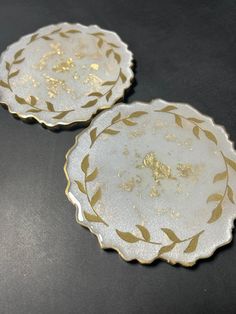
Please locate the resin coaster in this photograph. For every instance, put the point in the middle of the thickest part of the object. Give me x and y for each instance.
(154, 181)
(64, 73)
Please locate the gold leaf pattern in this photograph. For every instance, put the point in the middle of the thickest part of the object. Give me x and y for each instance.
(96, 197)
(81, 187)
(96, 94)
(100, 42)
(210, 136)
(166, 248)
(108, 95)
(33, 100)
(7, 66)
(19, 61)
(171, 235)
(220, 176)
(93, 135)
(85, 164)
(192, 244)
(214, 198)
(20, 100)
(231, 163)
(123, 77)
(111, 131)
(34, 110)
(73, 31)
(108, 83)
(116, 118)
(128, 122)
(196, 131)
(168, 108)
(178, 120)
(230, 194)
(4, 84)
(46, 38)
(92, 217)
(216, 213)
(117, 57)
(50, 106)
(18, 54)
(145, 233)
(14, 74)
(137, 114)
(127, 236)
(89, 104)
(61, 114)
(92, 176)
(195, 120)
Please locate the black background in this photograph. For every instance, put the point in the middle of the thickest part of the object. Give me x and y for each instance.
(185, 51)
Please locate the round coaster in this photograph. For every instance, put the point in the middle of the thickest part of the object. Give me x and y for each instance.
(154, 181)
(64, 73)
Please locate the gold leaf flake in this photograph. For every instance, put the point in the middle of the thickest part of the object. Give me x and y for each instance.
(214, 198)
(81, 187)
(127, 236)
(220, 176)
(96, 197)
(145, 233)
(210, 136)
(216, 213)
(171, 235)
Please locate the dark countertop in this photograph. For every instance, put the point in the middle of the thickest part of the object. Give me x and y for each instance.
(184, 51)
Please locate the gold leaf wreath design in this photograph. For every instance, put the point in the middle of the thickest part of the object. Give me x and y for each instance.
(32, 101)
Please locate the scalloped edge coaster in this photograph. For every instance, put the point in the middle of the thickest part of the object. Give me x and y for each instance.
(63, 74)
(154, 181)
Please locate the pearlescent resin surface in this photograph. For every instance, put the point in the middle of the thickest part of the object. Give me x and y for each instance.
(154, 181)
(64, 73)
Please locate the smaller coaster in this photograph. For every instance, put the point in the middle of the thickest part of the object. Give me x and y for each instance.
(64, 73)
(154, 181)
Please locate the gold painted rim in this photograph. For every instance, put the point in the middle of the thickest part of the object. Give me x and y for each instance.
(26, 117)
(143, 261)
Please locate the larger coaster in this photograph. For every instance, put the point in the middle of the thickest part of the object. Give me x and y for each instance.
(64, 73)
(154, 181)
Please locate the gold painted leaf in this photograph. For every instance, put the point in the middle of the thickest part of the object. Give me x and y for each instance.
(129, 122)
(96, 94)
(89, 104)
(116, 118)
(109, 51)
(34, 110)
(46, 38)
(108, 95)
(50, 106)
(127, 236)
(73, 31)
(20, 100)
(14, 74)
(4, 84)
(166, 248)
(210, 136)
(216, 213)
(18, 54)
(85, 164)
(171, 235)
(100, 42)
(96, 197)
(63, 35)
(230, 194)
(55, 31)
(178, 120)
(231, 163)
(145, 233)
(98, 34)
(196, 131)
(192, 244)
(33, 100)
(113, 45)
(168, 108)
(137, 114)
(80, 187)
(92, 217)
(108, 83)
(33, 37)
(93, 135)
(19, 61)
(195, 120)
(220, 176)
(123, 77)
(8, 66)
(214, 198)
(92, 176)
(61, 115)
(117, 57)
(111, 131)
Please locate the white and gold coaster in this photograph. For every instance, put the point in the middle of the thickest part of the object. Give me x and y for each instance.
(64, 73)
(154, 181)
